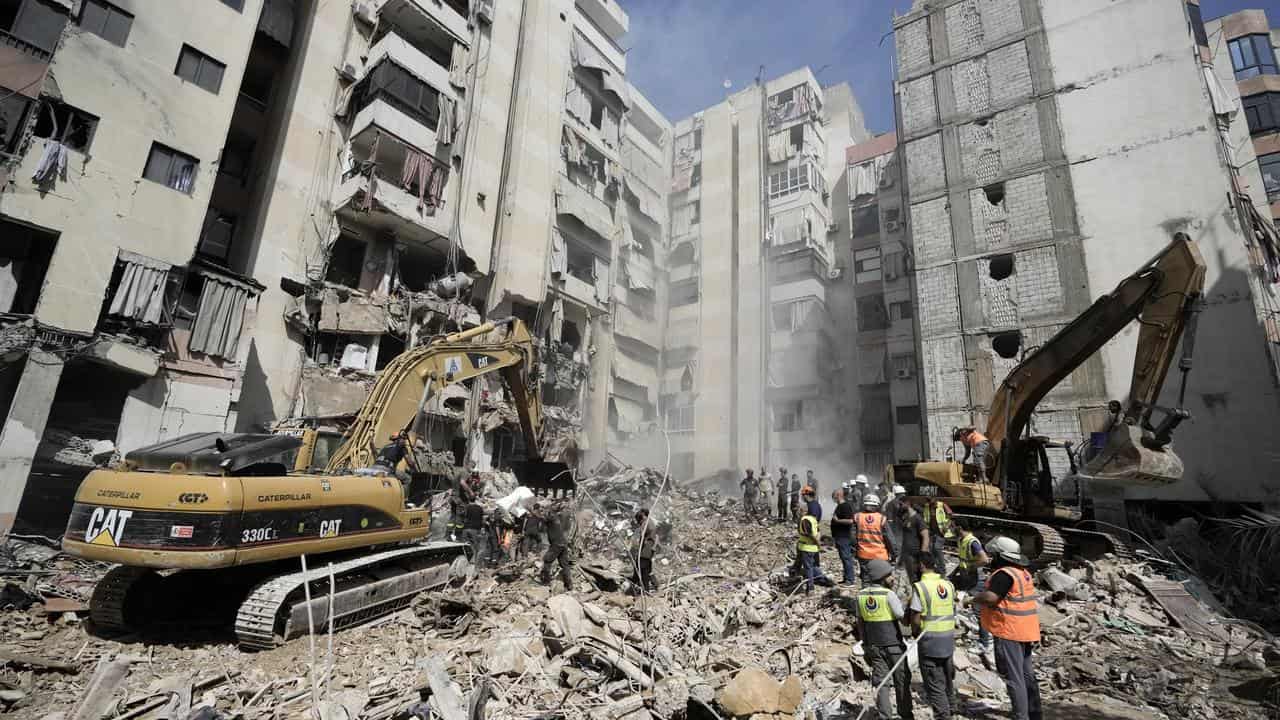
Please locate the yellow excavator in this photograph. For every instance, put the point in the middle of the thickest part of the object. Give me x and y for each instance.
(1016, 497)
(218, 521)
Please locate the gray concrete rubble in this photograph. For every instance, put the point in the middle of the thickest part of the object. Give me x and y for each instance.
(725, 635)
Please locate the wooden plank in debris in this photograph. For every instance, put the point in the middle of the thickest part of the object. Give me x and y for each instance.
(34, 661)
(1183, 609)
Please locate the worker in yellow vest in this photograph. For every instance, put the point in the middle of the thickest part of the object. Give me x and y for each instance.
(879, 612)
(971, 577)
(807, 549)
(940, 531)
(1010, 612)
(933, 617)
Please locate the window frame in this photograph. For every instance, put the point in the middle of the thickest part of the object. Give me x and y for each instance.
(680, 419)
(1272, 159)
(1262, 112)
(203, 59)
(109, 9)
(1247, 55)
(867, 269)
(174, 154)
(898, 412)
(72, 113)
(899, 311)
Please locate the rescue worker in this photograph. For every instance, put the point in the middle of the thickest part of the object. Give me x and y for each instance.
(561, 528)
(473, 532)
(933, 618)
(890, 510)
(970, 576)
(784, 489)
(765, 481)
(1010, 613)
(842, 534)
(811, 504)
(807, 549)
(879, 611)
(465, 491)
(642, 551)
(975, 444)
(390, 456)
(794, 497)
(872, 544)
(940, 530)
(750, 488)
(861, 487)
(811, 481)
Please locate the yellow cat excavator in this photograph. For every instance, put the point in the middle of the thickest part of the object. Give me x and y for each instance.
(213, 524)
(1016, 497)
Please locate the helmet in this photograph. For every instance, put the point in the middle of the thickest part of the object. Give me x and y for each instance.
(879, 569)
(899, 490)
(1007, 549)
(871, 499)
(807, 490)
(861, 480)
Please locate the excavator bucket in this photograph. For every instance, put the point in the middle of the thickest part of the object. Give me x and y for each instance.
(1125, 460)
(545, 478)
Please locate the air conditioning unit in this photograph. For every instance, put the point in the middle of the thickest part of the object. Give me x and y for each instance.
(892, 226)
(902, 373)
(347, 72)
(833, 228)
(835, 273)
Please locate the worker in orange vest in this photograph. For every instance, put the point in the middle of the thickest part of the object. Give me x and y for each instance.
(873, 543)
(1010, 612)
(975, 444)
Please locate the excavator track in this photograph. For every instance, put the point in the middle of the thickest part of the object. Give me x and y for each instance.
(107, 606)
(1047, 543)
(368, 587)
(1092, 545)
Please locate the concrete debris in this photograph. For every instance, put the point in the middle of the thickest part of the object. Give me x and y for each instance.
(724, 633)
(64, 447)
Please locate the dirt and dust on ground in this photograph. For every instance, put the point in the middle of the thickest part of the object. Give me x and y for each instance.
(725, 636)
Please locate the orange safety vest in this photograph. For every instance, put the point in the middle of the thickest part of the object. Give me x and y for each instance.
(972, 438)
(1016, 617)
(871, 536)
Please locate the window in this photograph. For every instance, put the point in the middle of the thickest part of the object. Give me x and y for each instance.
(74, 127)
(865, 220)
(908, 414)
(13, 116)
(196, 67)
(685, 217)
(237, 5)
(695, 178)
(794, 179)
(170, 167)
(1262, 112)
(680, 419)
(904, 366)
(393, 84)
(871, 313)
(237, 156)
(900, 310)
(216, 235)
(38, 22)
(1270, 167)
(866, 265)
(684, 292)
(346, 260)
(1197, 24)
(1252, 55)
(788, 416)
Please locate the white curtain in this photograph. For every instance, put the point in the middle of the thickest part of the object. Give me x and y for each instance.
(140, 294)
(220, 317)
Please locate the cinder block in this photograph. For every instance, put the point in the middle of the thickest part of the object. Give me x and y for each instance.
(919, 104)
(972, 88)
(1009, 73)
(926, 170)
(912, 41)
(931, 231)
(939, 300)
(1039, 284)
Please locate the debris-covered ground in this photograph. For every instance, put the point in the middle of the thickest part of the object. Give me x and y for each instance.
(725, 636)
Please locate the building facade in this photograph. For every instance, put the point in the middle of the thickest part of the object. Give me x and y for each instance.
(1036, 140)
(1245, 42)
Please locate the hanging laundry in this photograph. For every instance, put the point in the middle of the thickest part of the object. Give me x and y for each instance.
(778, 144)
(559, 254)
(53, 163)
(572, 150)
(458, 66)
(435, 188)
(557, 319)
(445, 126)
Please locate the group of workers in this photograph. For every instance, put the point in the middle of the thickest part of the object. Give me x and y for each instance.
(788, 495)
(900, 539)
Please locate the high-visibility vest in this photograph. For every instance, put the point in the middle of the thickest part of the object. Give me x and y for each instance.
(880, 627)
(871, 536)
(1016, 617)
(942, 521)
(938, 600)
(973, 438)
(807, 541)
(965, 549)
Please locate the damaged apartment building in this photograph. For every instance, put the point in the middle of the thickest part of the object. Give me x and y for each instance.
(1048, 156)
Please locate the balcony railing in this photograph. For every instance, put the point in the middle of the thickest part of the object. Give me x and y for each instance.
(397, 87)
(31, 49)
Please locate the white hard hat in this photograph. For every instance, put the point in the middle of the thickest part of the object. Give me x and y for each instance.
(871, 499)
(861, 479)
(1007, 549)
(899, 490)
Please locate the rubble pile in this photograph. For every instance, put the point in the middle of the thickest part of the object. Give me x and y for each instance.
(726, 635)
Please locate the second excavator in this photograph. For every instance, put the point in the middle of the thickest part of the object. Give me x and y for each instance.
(1015, 496)
(218, 524)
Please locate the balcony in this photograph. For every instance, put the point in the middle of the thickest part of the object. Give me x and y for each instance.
(427, 21)
(433, 70)
(633, 323)
(394, 208)
(397, 101)
(607, 16)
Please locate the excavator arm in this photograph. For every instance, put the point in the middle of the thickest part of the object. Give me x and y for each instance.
(408, 382)
(1163, 296)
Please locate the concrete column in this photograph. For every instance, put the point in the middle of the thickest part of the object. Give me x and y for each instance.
(23, 428)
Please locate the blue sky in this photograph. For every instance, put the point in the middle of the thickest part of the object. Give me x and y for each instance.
(680, 52)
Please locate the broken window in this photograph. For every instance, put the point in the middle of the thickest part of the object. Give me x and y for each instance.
(346, 260)
(13, 117)
(1262, 112)
(684, 292)
(908, 414)
(1269, 165)
(872, 314)
(38, 22)
(106, 21)
(866, 265)
(788, 416)
(1252, 55)
(24, 259)
(70, 126)
(237, 156)
(172, 168)
(196, 67)
(900, 310)
(216, 234)
(581, 262)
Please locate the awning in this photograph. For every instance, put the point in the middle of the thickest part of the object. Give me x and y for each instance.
(586, 55)
(673, 379)
(635, 372)
(630, 413)
(220, 318)
(592, 212)
(639, 275)
(1218, 97)
(140, 292)
(276, 21)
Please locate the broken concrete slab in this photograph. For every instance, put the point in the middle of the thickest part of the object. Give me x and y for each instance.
(753, 692)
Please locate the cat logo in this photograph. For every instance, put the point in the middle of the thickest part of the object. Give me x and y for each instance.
(106, 527)
(453, 365)
(330, 528)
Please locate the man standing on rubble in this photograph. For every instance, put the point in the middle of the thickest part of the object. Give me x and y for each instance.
(642, 551)
(807, 549)
(784, 490)
(474, 534)
(933, 618)
(915, 538)
(879, 612)
(970, 576)
(811, 504)
(1010, 612)
(869, 533)
(842, 534)
(940, 531)
(750, 489)
(795, 497)
(561, 527)
(811, 481)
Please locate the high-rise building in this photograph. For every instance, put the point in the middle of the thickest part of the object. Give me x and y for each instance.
(1048, 156)
(1243, 45)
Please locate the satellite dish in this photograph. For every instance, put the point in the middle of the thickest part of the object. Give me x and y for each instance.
(727, 83)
